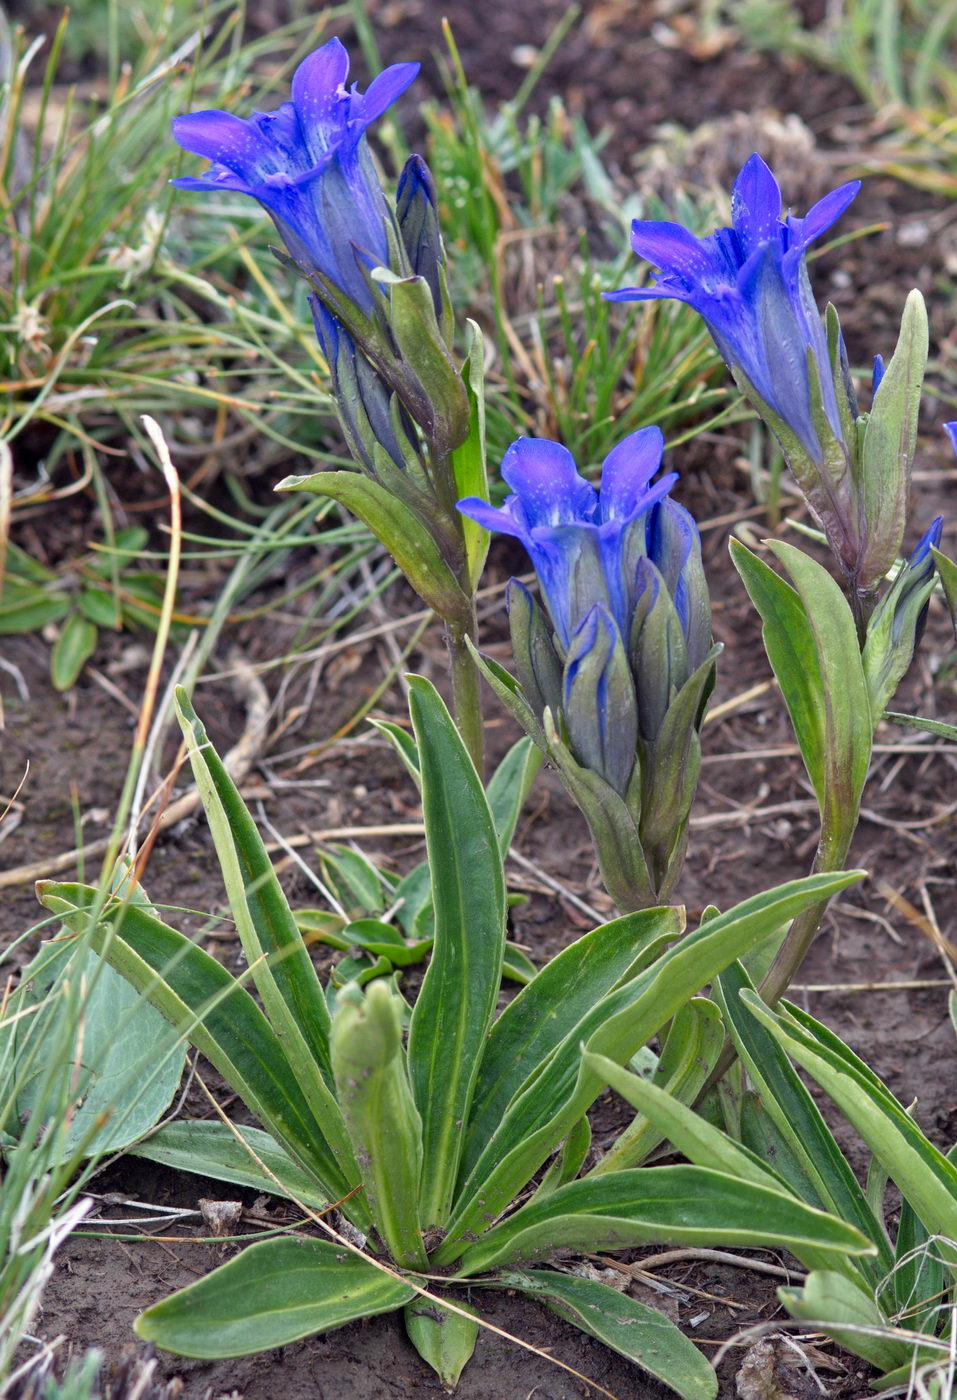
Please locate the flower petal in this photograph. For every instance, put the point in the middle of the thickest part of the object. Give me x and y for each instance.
(626, 471)
(390, 84)
(503, 520)
(221, 138)
(755, 204)
(545, 480)
(318, 84)
(672, 248)
(823, 214)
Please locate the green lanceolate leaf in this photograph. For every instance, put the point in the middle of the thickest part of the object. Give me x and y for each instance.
(691, 1050)
(927, 726)
(791, 650)
(217, 1015)
(404, 535)
(509, 786)
(924, 1175)
(554, 1005)
(25, 607)
(552, 1101)
(132, 1061)
(848, 723)
(887, 451)
(253, 1158)
(380, 1114)
(273, 1293)
(71, 651)
(947, 573)
(830, 1299)
(666, 1205)
(444, 1339)
(468, 459)
(454, 1009)
(816, 1169)
(643, 1334)
(280, 964)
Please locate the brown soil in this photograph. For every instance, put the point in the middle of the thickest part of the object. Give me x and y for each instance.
(754, 820)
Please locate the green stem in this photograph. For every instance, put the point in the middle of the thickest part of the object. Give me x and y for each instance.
(466, 698)
(831, 855)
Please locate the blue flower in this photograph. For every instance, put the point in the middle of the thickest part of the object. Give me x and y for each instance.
(308, 164)
(749, 282)
(585, 544)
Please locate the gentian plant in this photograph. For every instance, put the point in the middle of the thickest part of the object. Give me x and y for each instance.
(411, 411)
(750, 284)
(616, 673)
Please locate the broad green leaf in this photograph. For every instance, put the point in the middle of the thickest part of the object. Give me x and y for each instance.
(131, 1062)
(100, 607)
(924, 1175)
(847, 1314)
(543, 1113)
(280, 964)
(694, 1042)
(848, 723)
(791, 650)
(71, 651)
(373, 1090)
(210, 1148)
(404, 535)
(554, 1005)
(468, 459)
(643, 1334)
(217, 1015)
(444, 1339)
(25, 607)
(273, 1293)
(823, 1176)
(454, 1009)
(665, 1205)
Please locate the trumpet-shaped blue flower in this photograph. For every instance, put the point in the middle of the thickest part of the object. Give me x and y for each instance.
(584, 544)
(308, 165)
(749, 282)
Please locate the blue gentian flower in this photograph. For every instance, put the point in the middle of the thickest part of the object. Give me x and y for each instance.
(749, 282)
(308, 165)
(584, 544)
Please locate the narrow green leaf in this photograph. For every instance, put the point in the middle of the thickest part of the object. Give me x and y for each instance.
(280, 963)
(542, 1114)
(71, 651)
(947, 573)
(643, 1334)
(890, 438)
(468, 459)
(509, 786)
(211, 1149)
(666, 1205)
(217, 1015)
(274, 1293)
(554, 1005)
(445, 1340)
(823, 1176)
(26, 608)
(454, 1009)
(928, 726)
(694, 1042)
(924, 1175)
(404, 535)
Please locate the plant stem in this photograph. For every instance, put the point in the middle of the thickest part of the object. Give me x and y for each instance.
(466, 699)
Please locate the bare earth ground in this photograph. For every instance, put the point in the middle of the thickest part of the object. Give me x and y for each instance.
(754, 820)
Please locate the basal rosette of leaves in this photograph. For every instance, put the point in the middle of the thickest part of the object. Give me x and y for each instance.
(428, 1138)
